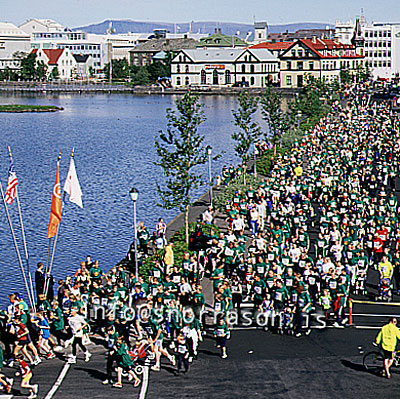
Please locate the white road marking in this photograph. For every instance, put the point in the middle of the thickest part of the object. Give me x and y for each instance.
(145, 382)
(59, 381)
(6, 396)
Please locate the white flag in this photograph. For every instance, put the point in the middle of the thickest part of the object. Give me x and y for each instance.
(72, 187)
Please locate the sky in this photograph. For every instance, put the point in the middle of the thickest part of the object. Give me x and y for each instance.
(74, 13)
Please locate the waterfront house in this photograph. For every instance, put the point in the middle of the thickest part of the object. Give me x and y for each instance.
(224, 67)
(323, 59)
(143, 53)
(69, 66)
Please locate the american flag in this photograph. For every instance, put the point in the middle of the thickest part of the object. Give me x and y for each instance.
(11, 185)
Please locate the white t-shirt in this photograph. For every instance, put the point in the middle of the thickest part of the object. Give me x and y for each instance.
(76, 323)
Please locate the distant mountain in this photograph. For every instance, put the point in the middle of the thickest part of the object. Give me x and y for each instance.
(208, 27)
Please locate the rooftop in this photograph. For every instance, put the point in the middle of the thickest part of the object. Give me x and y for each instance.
(157, 45)
(9, 29)
(221, 40)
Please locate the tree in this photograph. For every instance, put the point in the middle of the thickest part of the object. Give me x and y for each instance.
(55, 74)
(142, 77)
(120, 69)
(41, 71)
(273, 115)
(249, 131)
(28, 67)
(180, 151)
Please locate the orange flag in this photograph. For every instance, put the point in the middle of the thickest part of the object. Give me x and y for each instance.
(55, 214)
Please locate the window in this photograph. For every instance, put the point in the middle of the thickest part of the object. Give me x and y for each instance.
(300, 65)
(187, 81)
(178, 81)
(252, 81)
(300, 53)
(178, 69)
(311, 66)
(227, 77)
(243, 68)
(288, 80)
(293, 53)
(252, 68)
(289, 66)
(203, 77)
(187, 69)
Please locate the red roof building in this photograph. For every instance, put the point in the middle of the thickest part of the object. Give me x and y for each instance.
(321, 58)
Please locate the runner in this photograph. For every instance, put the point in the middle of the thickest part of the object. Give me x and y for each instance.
(387, 339)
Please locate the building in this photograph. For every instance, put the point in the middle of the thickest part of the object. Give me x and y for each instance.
(218, 39)
(69, 65)
(12, 41)
(224, 67)
(381, 45)
(41, 25)
(143, 54)
(275, 48)
(76, 42)
(287, 36)
(322, 59)
(260, 32)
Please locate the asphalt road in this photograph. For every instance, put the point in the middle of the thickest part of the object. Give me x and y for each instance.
(326, 364)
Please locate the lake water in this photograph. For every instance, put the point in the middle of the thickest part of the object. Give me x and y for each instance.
(113, 137)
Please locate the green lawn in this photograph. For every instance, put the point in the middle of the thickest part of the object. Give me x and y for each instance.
(28, 108)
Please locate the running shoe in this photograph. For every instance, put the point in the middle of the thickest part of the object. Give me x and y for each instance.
(88, 355)
(117, 385)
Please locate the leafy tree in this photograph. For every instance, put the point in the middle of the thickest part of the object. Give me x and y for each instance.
(41, 71)
(157, 70)
(180, 151)
(249, 131)
(142, 77)
(8, 74)
(120, 69)
(277, 120)
(55, 74)
(91, 71)
(28, 67)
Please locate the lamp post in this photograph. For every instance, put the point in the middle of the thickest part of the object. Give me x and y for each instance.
(209, 174)
(134, 193)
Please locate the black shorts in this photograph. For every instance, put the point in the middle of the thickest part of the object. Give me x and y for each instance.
(221, 341)
(387, 354)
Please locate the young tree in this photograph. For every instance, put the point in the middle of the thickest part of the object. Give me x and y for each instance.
(249, 131)
(142, 77)
(273, 115)
(28, 66)
(41, 71)
(55, 74)
(180, 151)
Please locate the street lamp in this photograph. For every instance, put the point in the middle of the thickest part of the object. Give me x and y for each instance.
(209, 174)
(134, 193)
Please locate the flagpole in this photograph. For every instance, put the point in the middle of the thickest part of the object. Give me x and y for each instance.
(46, 286)
(23, 238)
(16, 246)
(48, 268)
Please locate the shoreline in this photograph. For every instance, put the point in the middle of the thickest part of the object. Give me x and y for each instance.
(46, 88)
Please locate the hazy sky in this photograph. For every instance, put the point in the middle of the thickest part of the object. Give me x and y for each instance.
(73, 13)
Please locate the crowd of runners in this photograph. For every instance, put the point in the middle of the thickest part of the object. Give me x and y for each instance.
(294, 247)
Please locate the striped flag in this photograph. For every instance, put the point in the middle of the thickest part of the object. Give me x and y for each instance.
(12, 184)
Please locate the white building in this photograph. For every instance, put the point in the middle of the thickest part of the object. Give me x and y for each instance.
(81, 43)
(69, 65)
(381, 45)
(12, 40)
(40, 25)
(224, 67)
